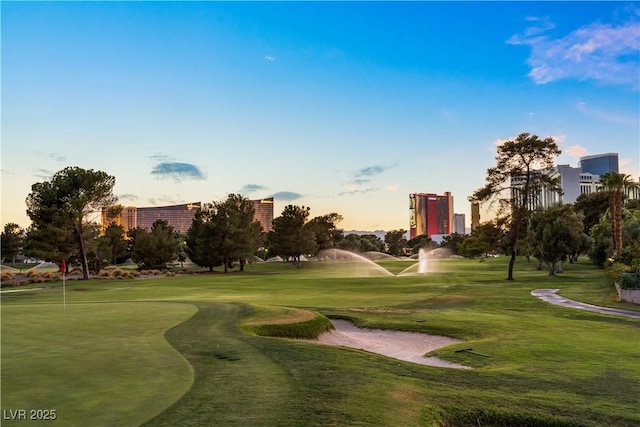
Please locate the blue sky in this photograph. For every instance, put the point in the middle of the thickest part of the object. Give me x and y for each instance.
(342, 107)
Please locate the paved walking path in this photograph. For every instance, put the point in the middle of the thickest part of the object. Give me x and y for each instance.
(550, 296)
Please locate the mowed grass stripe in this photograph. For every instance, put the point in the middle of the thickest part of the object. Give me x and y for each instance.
(235, 383)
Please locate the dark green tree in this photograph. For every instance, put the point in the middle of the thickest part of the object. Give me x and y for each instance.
(325, 231)
(361, 243)
(202, 240)
(557, 234)
(452, 241)
(603, 239)
(12, 240)
(421, 242)
(181, 254)
(155, 248)
(243, 234)
(591, 206)
(515, 183)
(395, 241)
(62, 206)
(115, 241)
(50, 243)
(371, 242)
(224, 233)
(492, 234)
(472, 247)
(289, 236)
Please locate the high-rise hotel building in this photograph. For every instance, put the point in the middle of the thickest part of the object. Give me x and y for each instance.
(264, 213)
(179, 217)
(430, 214)
(599, 164)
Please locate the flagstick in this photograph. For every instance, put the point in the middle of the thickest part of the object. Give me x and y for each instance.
(64, 292)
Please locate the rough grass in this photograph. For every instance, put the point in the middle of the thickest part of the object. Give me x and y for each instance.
(235, 384)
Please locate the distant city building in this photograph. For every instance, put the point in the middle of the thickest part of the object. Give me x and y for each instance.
(459, 224)
(538, 197)
(569, 179)
(599, 164)
(264, 213)
(475, 215)
(430, 214)
(179, 217)
(584, 179)
(589, 183)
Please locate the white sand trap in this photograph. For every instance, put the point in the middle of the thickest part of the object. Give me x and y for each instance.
(407, 346)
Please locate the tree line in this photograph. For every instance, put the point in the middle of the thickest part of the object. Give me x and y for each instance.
(603, 225)
(224, 233)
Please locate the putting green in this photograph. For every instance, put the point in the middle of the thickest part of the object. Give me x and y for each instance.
(95, 364)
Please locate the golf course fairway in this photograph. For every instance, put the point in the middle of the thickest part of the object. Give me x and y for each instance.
(188, 350)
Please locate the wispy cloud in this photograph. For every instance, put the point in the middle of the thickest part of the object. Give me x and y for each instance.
(537, 26)
(287, 196)
(163, 200)
(160, 157)
(351, 188)
(57, 157)
(358, 184)
(128, 196)
(630, 167)
(252, 188)
(178, 171)
(603, 52)
(606, 115)
(269, 58)
(44, 174)
(392, 188)
(575, 150)
(370, 171)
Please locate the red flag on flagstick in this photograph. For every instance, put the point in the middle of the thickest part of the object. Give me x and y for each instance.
(63, 267)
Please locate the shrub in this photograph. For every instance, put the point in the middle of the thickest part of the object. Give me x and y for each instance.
(629, 281)
(106, 273)
(150, 272)
(32, 274)
(615, 270)
(8, 275)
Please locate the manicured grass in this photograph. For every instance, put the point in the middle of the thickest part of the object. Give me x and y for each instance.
(548, 365)
(94, 364)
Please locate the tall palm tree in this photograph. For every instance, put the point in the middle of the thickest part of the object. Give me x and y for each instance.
(616, 184)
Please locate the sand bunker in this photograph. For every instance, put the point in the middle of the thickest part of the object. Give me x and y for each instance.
(407, 346)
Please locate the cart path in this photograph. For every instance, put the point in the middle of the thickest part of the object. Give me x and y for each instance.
(551, 296)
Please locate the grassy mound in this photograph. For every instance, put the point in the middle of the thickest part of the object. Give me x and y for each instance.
(286, 322)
